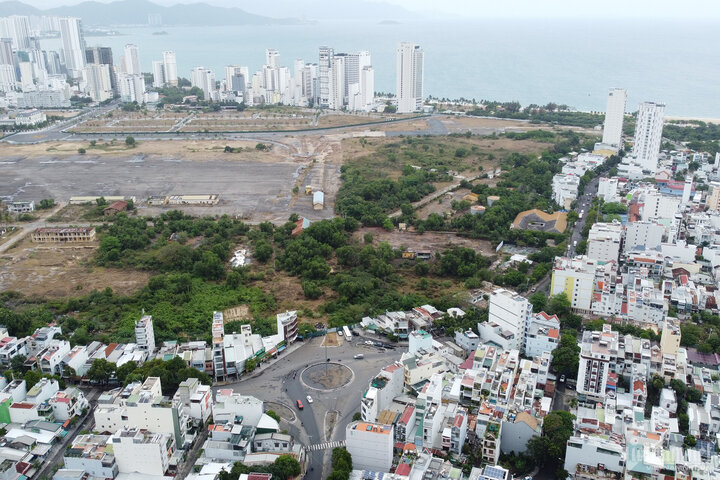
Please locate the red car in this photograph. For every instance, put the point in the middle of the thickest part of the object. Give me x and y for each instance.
(299, 405)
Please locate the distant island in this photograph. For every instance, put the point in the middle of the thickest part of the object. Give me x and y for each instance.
(160, 33)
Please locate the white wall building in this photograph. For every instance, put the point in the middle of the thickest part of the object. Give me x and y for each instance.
(99, 85)
(543, 334)
(511, 312)
(608, 189)
(648, 135)
(145, 334)
(409, 81)
(131, 60)
(73, 43)
(371, 445)
(565, 189)
(142, 452)
(131, 87)
(647, 234)
(604, 241)
(614, 116)
(659, 207)
(169, 62)
(597, 351)
(575, 277)
(594, 451)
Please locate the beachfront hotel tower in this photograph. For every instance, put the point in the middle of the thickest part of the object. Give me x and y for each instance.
(410, 66)
(614, 116)
(648, 135)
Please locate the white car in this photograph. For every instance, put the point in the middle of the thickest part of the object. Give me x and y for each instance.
(309, 399)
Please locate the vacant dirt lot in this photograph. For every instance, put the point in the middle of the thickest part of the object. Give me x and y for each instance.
(57, 271)
(433, 241)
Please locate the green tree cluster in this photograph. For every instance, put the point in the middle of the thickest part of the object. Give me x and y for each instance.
(341, 463)
(284, 467)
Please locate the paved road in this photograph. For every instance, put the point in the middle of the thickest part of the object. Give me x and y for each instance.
(280, 382)
(57, 131)
(193, 454)
(58, 450)
(583, 204)
(26, 228)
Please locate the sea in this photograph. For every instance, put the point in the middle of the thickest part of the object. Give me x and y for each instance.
(566, 61)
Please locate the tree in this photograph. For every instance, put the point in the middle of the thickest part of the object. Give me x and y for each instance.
(557, 429)
(46, 203)
(539, 301)
(100, 371)
(566, 356)
(250, 365)
(559, 304)
(124, 370)
(273, 414)
(287, 466)
(17, 364)
(31, 377)
(81, 151)
(130, 141)
(357, 416)
(263, 250)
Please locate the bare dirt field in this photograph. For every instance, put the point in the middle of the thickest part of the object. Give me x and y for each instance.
(57, 271)
(197, 121)
(443, 206)
(433, 241)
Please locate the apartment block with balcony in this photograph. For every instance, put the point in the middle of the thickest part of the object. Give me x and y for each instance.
(93, 455)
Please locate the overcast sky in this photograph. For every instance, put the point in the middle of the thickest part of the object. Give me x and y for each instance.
(703, 9)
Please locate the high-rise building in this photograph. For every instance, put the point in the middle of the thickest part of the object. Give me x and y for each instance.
(145, 334)
(646, 234)
(575, 277)
(158, 70)
(648, 135)
(614, 116)
(8, 78)
(512, 313)
(204, 79)
(236, 78)
(131, 87)
(99, 55)
(324, 60)
(410, 72)
(336, 84)
(6, 52)
(73, 45)
(272, 58)
(597, 351)
(132, 60)
(604, 241)
(371, 445)
(16, 27)
(170, 68)
(98, 82)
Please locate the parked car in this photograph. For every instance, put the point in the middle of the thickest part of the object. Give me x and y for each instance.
(359, 356)
(309, 399)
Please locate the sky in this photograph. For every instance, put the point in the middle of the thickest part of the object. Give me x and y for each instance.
(685, 9)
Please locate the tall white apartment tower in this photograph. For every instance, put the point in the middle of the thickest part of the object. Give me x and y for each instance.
(132, 60)
(336, 86)
(324, 60)
(648, 135)
(144, 333)
(409, 85)
(272, 58)
(170, 68)
(512, 312)
(614, 115)
(73, 45)
(16, 27)
(158, 70)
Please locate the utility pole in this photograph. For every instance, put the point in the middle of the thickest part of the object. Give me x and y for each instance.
(326, 351)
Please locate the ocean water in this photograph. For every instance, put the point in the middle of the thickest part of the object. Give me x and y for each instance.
(531, 61)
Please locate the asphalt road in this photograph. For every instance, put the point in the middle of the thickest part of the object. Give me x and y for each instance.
(583, 204)
(58, 450)
(280, 382)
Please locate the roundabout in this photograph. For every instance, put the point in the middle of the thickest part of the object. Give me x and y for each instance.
(327, 377)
